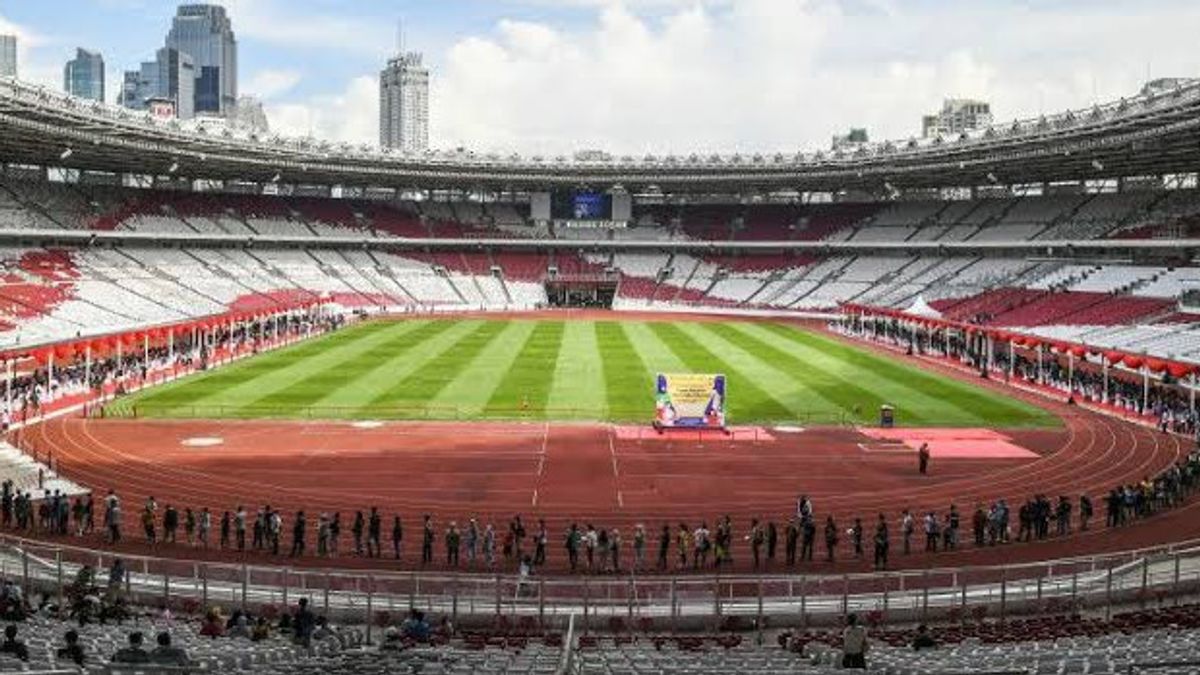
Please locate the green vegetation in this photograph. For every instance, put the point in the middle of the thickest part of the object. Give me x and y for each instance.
(586, 370)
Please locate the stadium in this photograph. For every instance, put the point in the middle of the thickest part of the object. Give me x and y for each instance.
(606, 407)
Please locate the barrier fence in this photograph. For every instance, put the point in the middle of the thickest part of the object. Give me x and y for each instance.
(1096, 584)
(434, 412)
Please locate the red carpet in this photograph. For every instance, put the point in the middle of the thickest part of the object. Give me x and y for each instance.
(950, 443)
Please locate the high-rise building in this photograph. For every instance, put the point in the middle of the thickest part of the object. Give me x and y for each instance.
(172, 75)
(8, 55)
(956, 116)
(404, 104)
(205, 33)
(83, 76)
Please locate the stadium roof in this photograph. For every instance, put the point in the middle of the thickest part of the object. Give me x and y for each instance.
(1151, 134)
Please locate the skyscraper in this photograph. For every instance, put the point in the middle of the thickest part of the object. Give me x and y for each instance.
(8, 55)
(172, 75)
(83, 76)
(404, 104)
(205, 33)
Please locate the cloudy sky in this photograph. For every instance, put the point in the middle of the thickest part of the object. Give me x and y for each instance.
(638, 76)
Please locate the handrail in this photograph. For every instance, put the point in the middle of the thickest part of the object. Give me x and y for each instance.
(1191, 546)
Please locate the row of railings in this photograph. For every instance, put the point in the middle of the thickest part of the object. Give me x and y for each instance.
(1099, 584)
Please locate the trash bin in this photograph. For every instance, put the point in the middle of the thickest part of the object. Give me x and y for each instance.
(887, 416)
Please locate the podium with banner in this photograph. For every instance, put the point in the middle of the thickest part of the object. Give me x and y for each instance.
(689, 401)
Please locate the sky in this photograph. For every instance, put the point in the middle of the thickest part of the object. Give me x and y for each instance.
(638, 77)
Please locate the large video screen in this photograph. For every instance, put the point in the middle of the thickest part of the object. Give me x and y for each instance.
(581, 205)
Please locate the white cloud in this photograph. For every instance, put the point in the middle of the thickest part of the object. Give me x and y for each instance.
(786, 74)
(270, 83)
(351, 115)
(287, 25)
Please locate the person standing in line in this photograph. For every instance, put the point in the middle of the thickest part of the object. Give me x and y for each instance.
(831, 538)
(907, 525)
(489, 545)
(1085, 512)
(452, 544)
(790, 538)
(374, 533)
(239, 528)
(203, 527)
(590, 541)
(931, 532)
(808, 538)
(258, 536)
(298, 535)
(427, 541)
(148, 526)
(571, 542)
(472, 542)
(89, 515)
(856, 537)
(322, 535)
(664, 547)
(358, 528)
(639, 548)
(335, 528)
(189, 526)
(539, 544)
(397, 536)
(170, 524)
(226, 528)
(882, 543)
(274, 529)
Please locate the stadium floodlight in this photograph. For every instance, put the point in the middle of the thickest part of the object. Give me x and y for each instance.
(67, 152)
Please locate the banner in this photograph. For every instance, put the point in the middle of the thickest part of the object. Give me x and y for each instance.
(689, 400)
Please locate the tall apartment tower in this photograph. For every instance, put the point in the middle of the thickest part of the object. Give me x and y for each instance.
(205, 33)
(83, 76)
(8, 55)
(956, 116)
(404, 104)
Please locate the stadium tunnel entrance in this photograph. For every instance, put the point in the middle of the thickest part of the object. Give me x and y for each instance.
(591, 291)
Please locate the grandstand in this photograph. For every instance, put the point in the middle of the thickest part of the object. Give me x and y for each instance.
(1044, 266)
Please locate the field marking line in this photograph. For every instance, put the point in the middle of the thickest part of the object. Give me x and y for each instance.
(612, 450)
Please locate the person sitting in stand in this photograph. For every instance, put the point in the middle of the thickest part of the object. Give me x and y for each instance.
(134, 652)
(12, 645)
(923, 640)
(71, 651)
(166, 655)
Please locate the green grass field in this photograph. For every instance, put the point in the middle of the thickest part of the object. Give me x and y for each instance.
(585, 370)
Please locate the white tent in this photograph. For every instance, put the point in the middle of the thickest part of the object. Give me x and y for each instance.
(922, 308)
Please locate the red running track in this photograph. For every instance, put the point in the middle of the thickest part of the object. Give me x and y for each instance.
(583, 473)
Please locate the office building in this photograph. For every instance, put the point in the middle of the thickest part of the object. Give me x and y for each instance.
(83, 76)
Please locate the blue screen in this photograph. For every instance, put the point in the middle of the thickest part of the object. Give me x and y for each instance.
(589, 206)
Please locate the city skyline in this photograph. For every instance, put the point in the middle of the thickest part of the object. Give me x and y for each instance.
(650, 76)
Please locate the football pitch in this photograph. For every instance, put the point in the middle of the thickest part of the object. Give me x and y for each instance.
(472, 368)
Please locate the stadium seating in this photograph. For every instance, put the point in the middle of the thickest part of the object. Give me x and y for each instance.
(52, 294)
